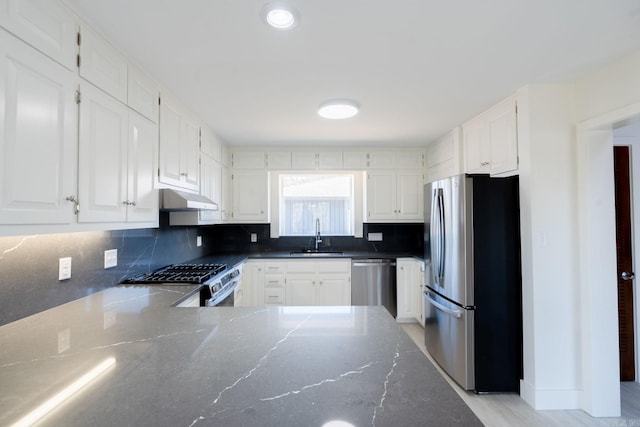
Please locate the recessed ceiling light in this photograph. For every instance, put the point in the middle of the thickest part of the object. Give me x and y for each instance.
(338, 109)
(280, 16)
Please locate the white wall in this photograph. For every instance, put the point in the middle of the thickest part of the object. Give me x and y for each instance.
(608, 89)
(549, 246)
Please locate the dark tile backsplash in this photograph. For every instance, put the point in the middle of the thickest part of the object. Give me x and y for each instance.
(397, 238)
(29, 264)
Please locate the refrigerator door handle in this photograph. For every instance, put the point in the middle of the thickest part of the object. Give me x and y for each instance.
(439, 214)
(454, 313)
(435, 231)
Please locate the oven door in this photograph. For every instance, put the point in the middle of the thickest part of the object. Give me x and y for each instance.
(225, 297)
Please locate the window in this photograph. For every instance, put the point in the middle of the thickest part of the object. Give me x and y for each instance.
(307, 197)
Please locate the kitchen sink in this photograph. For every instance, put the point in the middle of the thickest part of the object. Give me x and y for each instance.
(312, 252)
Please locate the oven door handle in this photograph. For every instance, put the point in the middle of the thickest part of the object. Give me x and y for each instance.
(222, 295)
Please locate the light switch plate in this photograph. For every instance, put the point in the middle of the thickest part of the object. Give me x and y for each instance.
(64, 268)
(199, 241)
(254, 237)
(374, 237)
(110, 258)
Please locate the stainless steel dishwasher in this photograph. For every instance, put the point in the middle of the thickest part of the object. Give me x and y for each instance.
(373, 282)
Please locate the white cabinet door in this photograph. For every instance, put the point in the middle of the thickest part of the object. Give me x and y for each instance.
(210, 187)
(333, 291)
(303, 160)
(248, 160)
(38, 137)
(102, 65)
(169, 144)
(252, 283)
(410, 160)
(143, 94)
(179, 147)
(502, 136)
(102, 162)
(279, 160)
(190, 153)
(476, 146)
(382, 160)
(409, 283)
(381, 195)
(409, 195)
(328, 160)
(354, 160)
(210, 144)
(301, 290)
(249, 195)
(142, 197)
(46, 25)
(225, 196)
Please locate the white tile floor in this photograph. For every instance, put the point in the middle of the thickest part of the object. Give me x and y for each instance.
(509, 410)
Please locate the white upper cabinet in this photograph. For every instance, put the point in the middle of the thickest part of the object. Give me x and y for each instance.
(142, 197)
(410, 160)
(210, 145)
(248, 160)
(143, 94)
(102, 157)
(102, 65)
(444, 157)
(354, 160)
(38, 136)
(381, 160)
(279, 160)
(117, 151)
(490, 140)
(328, 160)
(301, 160)
(179, 146)
(394, 196)
(249, 196)
(44, 24)
(503, 136)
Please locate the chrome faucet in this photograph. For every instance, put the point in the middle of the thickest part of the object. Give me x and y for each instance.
(318, 239)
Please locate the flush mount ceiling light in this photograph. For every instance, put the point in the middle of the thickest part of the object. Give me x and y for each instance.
(338, 109)
(280, 16)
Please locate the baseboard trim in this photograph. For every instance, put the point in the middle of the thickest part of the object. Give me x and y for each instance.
(549, 399)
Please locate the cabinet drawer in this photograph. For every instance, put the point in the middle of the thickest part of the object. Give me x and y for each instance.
(273, 295)
(275, 267)
(274, 280)
(301, 267)
(334, 266)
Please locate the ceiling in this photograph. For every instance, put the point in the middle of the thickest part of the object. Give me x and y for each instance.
(417, 67)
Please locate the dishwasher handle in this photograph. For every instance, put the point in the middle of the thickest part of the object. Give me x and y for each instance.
(370, 263)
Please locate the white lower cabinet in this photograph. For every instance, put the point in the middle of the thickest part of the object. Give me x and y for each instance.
(410, 285)
(297, 282)
(319, 282)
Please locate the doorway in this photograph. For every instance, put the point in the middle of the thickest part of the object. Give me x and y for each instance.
(624, 254)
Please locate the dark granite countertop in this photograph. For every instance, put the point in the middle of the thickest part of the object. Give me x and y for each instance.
(134, 360)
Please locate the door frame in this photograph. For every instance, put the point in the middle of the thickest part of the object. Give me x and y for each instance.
(597, 261)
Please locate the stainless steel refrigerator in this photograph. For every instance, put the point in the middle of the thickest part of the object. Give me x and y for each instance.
(473, 308)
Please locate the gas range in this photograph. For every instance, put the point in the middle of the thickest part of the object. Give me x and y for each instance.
(179, 274)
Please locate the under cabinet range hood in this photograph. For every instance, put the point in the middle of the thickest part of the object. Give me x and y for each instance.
(174, 200)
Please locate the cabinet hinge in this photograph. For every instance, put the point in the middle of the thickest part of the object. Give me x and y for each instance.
(78, 97)
(78, 60)
(158, 172)
(159, 100)
(78, 38)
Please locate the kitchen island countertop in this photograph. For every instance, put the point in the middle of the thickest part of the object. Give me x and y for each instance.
(132, 359)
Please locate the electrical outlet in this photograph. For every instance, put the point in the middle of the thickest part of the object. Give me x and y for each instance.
(64, 268)
(374, 237)
(254, 237)
(199, 241)
(110, 258)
